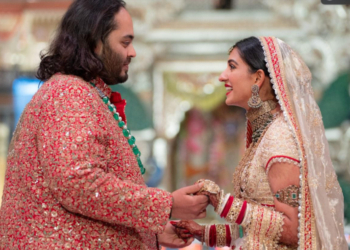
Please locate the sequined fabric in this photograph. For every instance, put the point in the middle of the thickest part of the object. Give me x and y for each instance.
(72, 181)
(321, 206)
(277, 144)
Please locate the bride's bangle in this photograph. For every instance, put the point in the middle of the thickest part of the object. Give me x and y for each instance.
(220, 235)
(206, 235)
(227, 207)
(235, 211)
(234, 234)
(221, 199)
(222, 203)
(246, 219)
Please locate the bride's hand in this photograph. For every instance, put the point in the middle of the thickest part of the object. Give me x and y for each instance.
(211, 190)
(188, 227)
(169, 238)
(213, 198)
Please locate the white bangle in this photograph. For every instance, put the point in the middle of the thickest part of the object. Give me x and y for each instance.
(246, 219)
(223, 204)
(234, 233)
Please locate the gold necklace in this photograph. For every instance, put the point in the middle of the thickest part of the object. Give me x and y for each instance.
(262, 119)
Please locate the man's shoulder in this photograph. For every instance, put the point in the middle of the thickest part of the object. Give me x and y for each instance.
(61, 80)
(66, 88)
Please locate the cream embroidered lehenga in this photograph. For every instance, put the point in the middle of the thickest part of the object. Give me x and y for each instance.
(295, 135)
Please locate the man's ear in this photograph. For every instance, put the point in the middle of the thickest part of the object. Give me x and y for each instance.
(99, 48)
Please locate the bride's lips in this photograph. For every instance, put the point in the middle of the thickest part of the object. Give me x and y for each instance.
(228, 89)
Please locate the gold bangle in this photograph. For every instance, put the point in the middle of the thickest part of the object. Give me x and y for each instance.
(206, 236)
(234, 211)
(220, 235)
(247, 216)
(221, 200)
(234, 233)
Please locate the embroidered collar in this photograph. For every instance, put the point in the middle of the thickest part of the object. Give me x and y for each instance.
(100, 84)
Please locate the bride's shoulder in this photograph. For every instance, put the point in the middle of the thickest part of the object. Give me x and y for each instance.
(278, 142)
(278, 130)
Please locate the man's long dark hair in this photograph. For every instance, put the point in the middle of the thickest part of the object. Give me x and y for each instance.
(72, 51)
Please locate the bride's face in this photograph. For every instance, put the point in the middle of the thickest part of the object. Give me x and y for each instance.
(238, 80)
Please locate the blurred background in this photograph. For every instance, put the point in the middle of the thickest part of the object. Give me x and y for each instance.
(176, 104)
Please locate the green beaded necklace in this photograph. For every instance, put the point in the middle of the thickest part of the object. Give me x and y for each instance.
(122, 125)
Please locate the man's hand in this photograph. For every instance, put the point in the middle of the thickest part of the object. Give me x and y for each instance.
(187, 206)
(213, 198)
(170, 239)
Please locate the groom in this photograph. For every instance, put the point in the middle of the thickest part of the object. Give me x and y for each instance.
(74, 176)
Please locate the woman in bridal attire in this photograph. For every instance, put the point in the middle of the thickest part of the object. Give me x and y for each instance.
(285, 192)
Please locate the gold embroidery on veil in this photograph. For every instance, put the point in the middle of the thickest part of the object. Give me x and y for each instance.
(320, 191)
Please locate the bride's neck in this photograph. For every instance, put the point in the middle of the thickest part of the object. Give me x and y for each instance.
(260, 117)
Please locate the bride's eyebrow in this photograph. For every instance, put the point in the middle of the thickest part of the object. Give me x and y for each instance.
(233, 61)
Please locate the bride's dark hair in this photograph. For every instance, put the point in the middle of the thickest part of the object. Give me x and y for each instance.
(252, 53)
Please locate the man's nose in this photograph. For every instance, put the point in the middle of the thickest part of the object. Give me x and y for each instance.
(132, 52)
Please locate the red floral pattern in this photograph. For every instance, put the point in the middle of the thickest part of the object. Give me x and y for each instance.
(72, 180)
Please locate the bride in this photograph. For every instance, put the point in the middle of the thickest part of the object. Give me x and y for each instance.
(285, 192)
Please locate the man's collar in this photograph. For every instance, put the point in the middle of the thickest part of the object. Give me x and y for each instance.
(102, 86)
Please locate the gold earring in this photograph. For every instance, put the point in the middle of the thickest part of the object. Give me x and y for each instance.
(255, 101)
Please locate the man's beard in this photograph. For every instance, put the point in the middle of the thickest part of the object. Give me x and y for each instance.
(113, 63)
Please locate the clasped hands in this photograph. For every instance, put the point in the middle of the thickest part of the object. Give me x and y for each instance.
(189, 203)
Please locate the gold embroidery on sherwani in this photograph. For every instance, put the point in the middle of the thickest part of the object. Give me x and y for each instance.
(72, 180)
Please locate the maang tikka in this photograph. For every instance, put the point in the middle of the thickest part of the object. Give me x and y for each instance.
(255, 101)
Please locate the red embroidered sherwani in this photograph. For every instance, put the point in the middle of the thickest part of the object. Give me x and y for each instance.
(72, 180)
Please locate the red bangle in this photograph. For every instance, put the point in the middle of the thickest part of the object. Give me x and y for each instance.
(241, 213)
(212, 236)
(228, 235)
(227, 207)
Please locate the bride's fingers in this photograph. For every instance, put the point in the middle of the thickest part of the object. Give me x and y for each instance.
(183, 233)
(181, 224)
(178, 232)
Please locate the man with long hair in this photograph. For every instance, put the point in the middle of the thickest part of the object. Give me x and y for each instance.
(74, 173)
